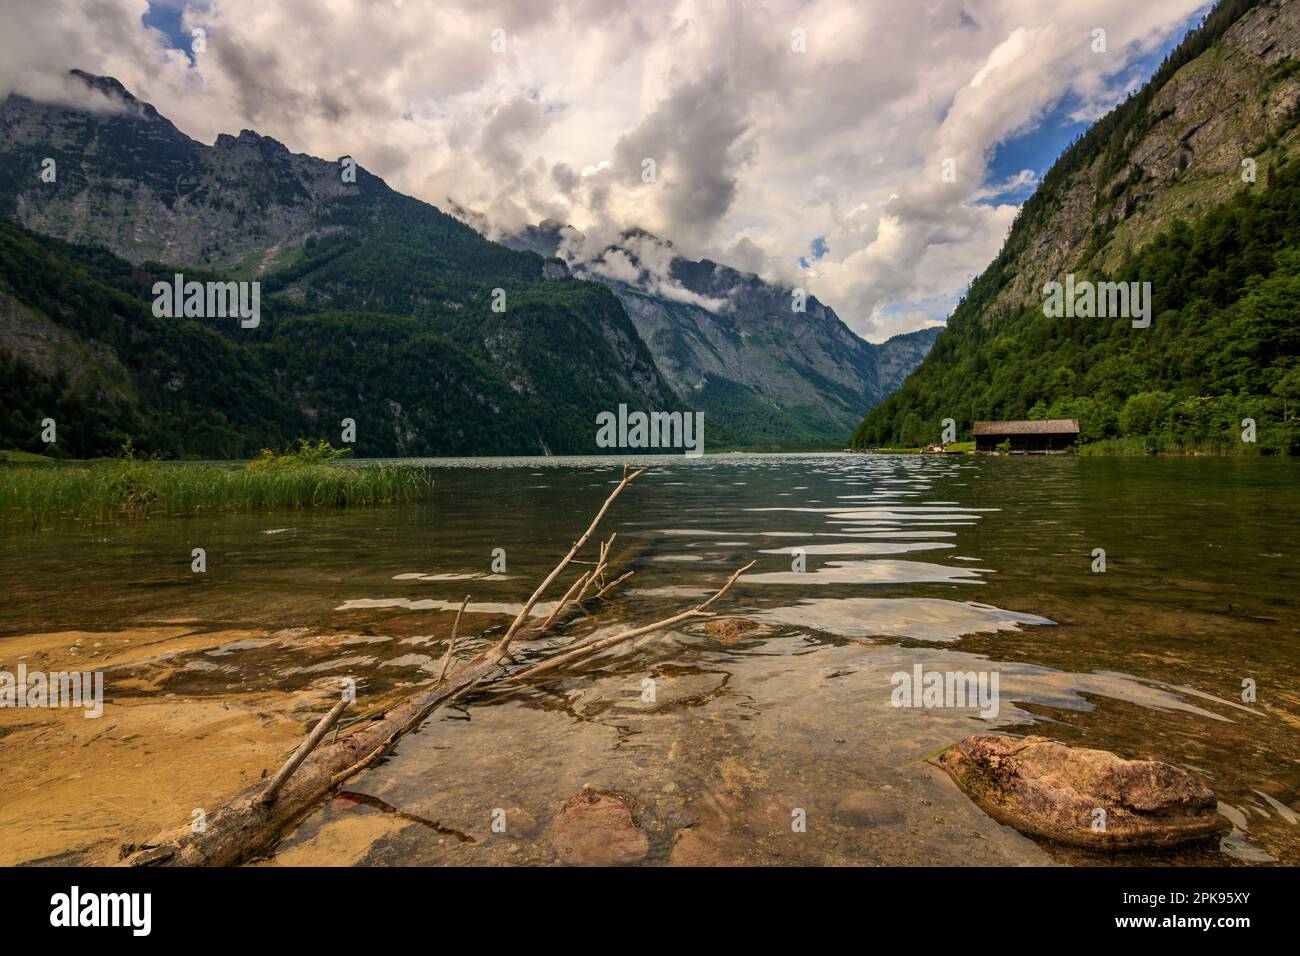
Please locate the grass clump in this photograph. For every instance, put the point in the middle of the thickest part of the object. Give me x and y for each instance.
(131, 487)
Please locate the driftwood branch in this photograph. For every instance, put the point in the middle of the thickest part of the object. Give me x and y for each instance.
(246, 826)
(564, 562)
(304, 749)
(592, 647)
(252, 822)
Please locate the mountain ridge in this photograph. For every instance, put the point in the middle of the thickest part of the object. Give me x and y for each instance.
(560, 350)
(1156, 191)
(246, 208)
(732, 341)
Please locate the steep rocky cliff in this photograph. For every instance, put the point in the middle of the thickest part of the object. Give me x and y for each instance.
(1170, 153)
(1190, 185)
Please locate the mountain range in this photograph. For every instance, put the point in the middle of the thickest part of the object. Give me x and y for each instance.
(732, 344)
(375, 307)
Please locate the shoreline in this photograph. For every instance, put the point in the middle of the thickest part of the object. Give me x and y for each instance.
(1086, 451)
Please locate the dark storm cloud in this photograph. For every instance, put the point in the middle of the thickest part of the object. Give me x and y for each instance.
(693, 136)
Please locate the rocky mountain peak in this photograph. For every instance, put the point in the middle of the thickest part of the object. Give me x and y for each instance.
(108, 85)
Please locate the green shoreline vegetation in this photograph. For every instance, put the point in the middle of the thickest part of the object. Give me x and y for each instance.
(1127, 447)
(131, 487)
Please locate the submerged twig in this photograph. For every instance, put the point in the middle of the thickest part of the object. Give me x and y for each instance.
(451, 645)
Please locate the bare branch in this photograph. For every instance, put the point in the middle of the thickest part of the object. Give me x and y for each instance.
(504, 645)
(581, 582)
(613, 584)
(594, 646)
(306, 747)
(451, 645)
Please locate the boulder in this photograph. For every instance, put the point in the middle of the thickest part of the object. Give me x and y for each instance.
(1052, 790)
(595, 828)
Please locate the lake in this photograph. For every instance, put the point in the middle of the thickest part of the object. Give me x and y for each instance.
(952, 563)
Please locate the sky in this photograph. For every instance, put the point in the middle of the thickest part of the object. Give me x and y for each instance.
(873, 152)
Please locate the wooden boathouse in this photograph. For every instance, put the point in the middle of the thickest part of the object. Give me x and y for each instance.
(1027, 437)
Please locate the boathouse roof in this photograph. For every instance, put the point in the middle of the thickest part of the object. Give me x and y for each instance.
(1046, 426)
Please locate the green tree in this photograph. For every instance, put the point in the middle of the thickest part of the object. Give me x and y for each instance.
(1142, 412)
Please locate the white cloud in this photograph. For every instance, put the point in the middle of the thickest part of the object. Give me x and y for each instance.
(758, 148)
(637, 259)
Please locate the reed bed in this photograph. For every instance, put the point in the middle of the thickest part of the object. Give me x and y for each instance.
(1134, 446)
(103, 491)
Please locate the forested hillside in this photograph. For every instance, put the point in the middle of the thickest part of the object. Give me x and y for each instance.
(1165, 199)
(378, 307)
(80, 344)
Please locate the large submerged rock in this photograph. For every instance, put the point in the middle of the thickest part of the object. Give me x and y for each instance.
(595, 828)
(1089, 798)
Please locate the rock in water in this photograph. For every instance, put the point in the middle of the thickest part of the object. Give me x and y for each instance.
(696, 847)
(595, 828)
(520, 823)
(1051, 790)
(733, 630)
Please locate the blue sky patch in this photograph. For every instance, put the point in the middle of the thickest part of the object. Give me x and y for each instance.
(1037, 148)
